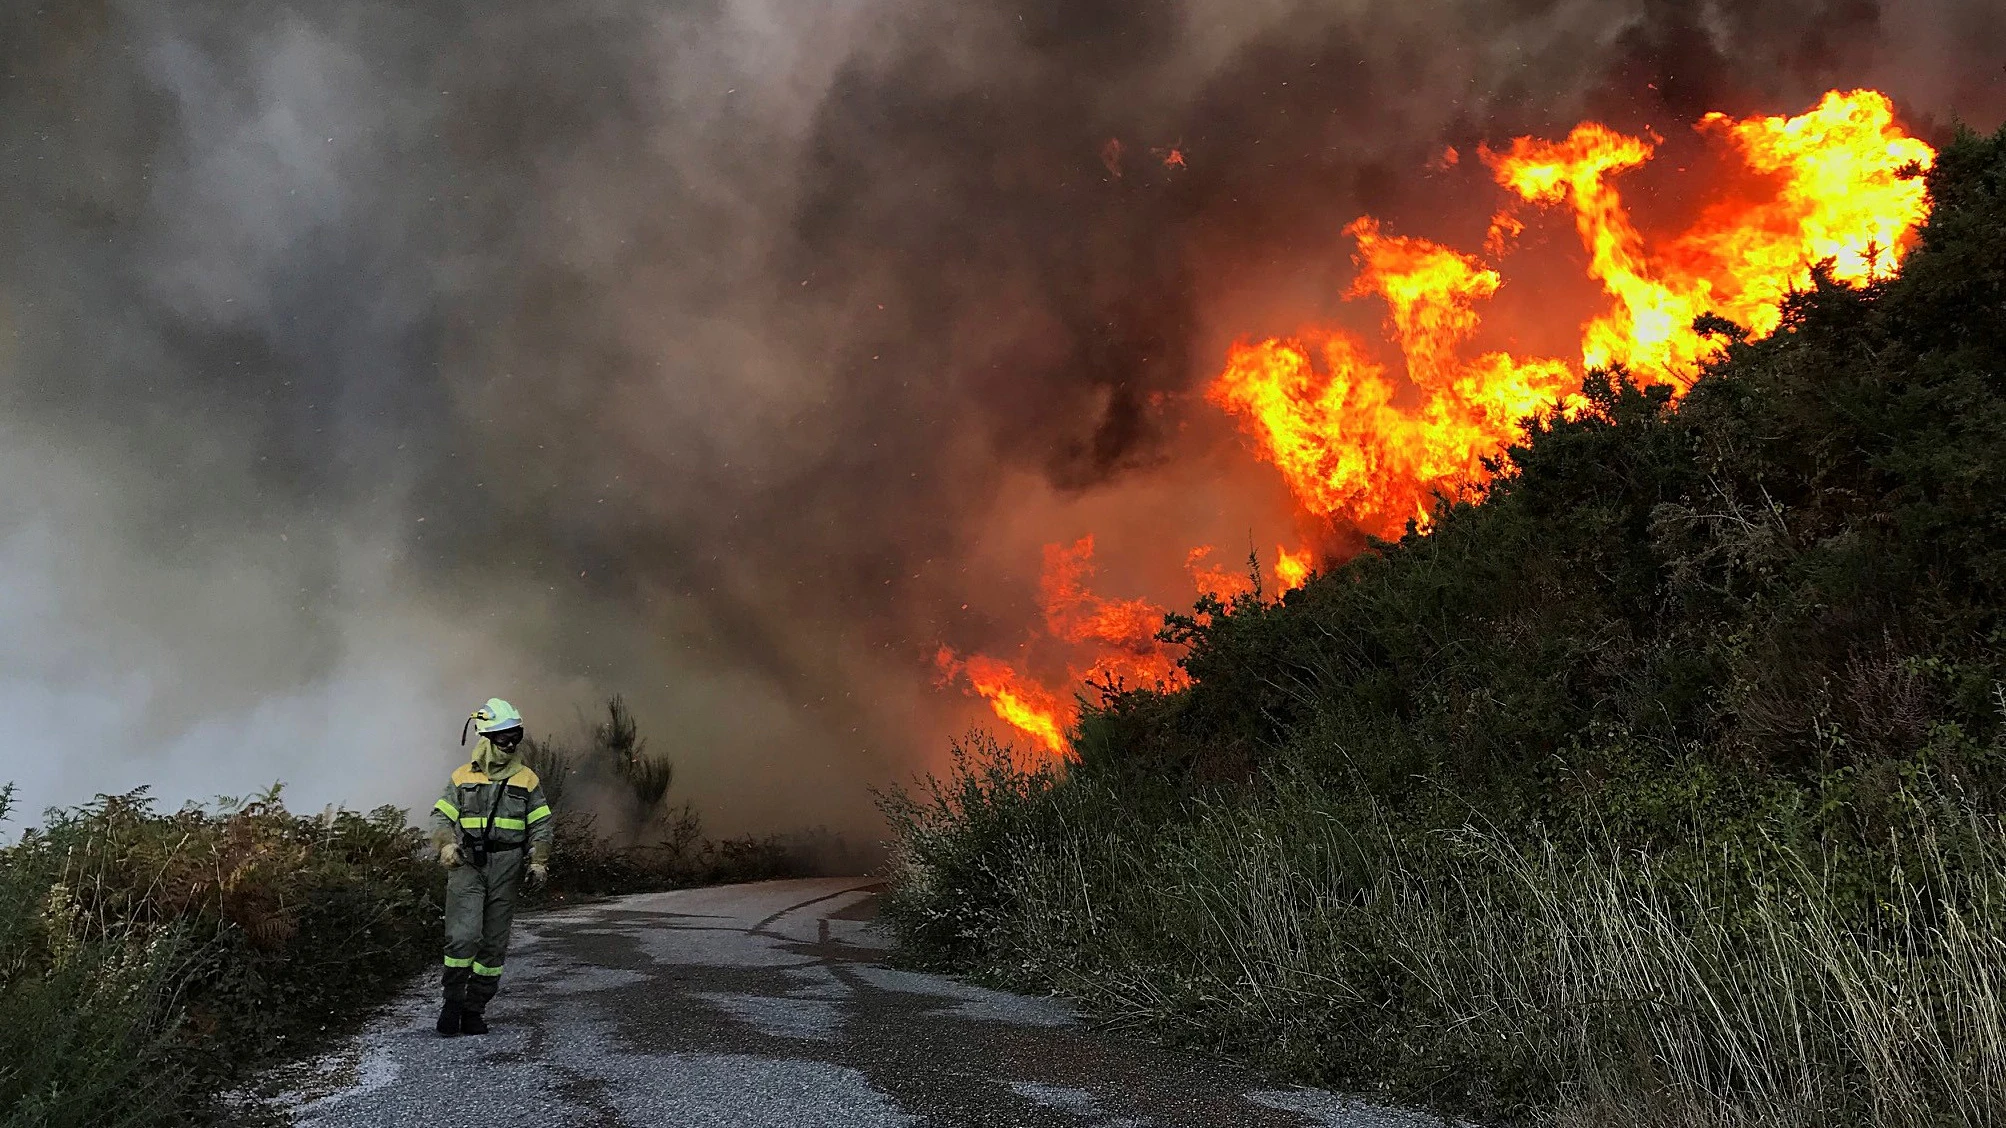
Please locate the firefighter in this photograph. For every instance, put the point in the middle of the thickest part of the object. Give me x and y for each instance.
(491, 814)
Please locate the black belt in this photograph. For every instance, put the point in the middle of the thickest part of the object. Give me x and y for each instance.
(476, 851)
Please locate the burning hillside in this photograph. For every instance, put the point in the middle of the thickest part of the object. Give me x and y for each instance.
(1367, 438)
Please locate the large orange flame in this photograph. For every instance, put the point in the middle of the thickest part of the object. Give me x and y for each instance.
(1838, 195)
(1333, 420)
(1022, 704)
(1844, 195)
(1357, 445)
(1368, 448)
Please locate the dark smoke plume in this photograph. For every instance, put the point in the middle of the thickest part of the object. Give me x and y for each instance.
(360, 361)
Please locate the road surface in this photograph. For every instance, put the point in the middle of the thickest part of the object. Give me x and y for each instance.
(764, 1006)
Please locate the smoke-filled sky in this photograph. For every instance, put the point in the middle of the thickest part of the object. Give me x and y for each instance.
(359, 361)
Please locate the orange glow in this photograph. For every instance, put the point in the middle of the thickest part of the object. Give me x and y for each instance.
(1291, 570)
(1651, 324)
(1837, 194)
(1221, 583)
(1108, 642)
(1840, 196)
(1119, 633)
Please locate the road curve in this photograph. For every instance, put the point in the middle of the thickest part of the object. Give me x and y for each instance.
(763, 1006)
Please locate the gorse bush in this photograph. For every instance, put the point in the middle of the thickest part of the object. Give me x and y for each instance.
(956, 847)
(144, 957)
(1659, 783)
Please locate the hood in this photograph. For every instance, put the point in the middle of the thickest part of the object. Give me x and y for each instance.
(493, 762)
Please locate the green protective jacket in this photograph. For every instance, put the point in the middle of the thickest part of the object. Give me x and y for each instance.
(495, 799)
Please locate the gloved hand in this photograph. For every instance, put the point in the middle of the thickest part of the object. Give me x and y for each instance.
(538, 874)
(449, 855)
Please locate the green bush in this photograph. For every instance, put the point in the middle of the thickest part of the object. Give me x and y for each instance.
(147, 957)
(953, 846)
(1657, 783)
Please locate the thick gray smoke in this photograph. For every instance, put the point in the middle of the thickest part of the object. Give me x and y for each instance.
(360, 361)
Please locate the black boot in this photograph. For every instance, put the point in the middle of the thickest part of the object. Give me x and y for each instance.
(471, 1022)
(452, 1020)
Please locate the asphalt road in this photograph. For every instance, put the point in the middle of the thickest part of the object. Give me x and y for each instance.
(763, 1006)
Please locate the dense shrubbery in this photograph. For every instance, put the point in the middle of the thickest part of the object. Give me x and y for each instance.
(145, 957)
(1659, 784)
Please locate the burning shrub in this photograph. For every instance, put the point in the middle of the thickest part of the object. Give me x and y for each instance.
(1831, 198)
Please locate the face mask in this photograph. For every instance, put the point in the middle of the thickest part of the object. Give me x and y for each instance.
(494, 756)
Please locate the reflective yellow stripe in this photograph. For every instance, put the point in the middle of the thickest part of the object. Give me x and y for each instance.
(446, 809)
(483, 969)
(476, 822)
(540, 814)
(451, 962)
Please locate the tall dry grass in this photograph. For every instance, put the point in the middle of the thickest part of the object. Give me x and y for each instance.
(1528, 981)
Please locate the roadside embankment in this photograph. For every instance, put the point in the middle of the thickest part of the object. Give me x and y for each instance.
(1661, 784)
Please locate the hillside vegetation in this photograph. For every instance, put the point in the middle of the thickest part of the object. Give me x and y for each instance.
(1660, 784)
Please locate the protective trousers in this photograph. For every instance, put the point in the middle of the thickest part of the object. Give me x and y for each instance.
(480, 904)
